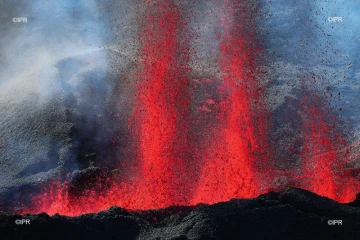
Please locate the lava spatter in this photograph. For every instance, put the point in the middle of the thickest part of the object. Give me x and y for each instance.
(229, 166)
(161, 109)
(323, 165)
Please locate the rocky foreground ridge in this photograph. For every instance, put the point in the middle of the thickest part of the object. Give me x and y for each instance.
(294, 214)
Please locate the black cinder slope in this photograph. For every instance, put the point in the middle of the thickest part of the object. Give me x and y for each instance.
(294, 214)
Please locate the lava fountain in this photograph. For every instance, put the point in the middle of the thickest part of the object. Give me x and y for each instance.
(323, 165)
(164, 168)
(229, 169)
(161, 110)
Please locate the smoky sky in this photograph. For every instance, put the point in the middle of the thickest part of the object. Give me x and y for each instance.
(44, 71)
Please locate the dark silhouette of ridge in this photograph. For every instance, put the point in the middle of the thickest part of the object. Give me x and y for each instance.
(293, 214)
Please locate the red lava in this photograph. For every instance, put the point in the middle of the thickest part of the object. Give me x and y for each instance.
(228, 165)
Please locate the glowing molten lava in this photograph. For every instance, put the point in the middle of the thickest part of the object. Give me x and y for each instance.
(161, 110)
(229, 166)
(322, 162)
(168, 165)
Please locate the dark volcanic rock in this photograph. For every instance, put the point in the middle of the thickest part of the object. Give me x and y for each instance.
(295, 214)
